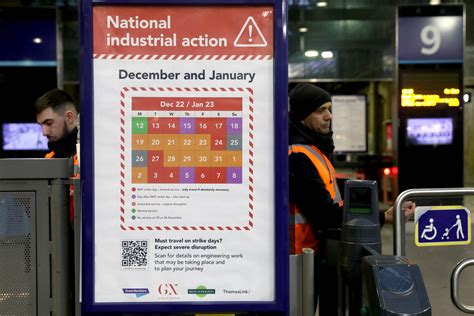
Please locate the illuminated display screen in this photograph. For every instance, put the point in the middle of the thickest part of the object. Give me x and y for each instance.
(360, 200)
(23, 136)
(429, 131)
(411, 98)
(430, 89)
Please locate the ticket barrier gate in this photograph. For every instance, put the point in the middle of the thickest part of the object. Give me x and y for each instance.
(399, 234)
(369, 283)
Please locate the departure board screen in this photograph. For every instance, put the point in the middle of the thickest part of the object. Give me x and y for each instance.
(430, 89)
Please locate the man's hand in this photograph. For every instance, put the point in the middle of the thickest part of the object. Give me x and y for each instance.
(408, 211)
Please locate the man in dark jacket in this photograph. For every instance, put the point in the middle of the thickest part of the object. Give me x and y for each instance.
(314, 196)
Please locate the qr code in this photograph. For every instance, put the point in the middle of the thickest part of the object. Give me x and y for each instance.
(134, 253)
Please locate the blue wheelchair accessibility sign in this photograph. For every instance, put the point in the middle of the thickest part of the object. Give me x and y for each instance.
(442, 226)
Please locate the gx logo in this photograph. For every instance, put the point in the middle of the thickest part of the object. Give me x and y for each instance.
(168, 289)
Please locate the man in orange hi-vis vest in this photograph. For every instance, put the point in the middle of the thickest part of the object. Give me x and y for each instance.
(57, 113)
(315, 200)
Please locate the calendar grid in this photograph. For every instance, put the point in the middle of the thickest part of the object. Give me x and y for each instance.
(183, 140)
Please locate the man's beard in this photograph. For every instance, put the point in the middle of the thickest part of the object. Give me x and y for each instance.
(64, 147)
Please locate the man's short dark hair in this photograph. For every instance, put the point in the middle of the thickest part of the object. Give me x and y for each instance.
(56, 99)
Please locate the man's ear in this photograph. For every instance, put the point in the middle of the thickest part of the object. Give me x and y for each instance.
(70, 117)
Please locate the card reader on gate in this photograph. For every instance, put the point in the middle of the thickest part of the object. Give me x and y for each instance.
(360, 236)
(393, 285)
(361, 201)
(360, 224)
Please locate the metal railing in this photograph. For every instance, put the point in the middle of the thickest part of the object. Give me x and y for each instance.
(455, 285)
(399, 227)
(399, 234)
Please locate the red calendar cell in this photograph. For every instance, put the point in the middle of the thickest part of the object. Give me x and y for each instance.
(203, 125)
(218, 175)
(218, 142)
(218, 126)
(169, 125)
(170, 175)
(203, 175)
(154, 125)
(155, 174)
(155, 158)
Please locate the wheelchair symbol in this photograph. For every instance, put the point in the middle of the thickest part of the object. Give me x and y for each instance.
(429, 229)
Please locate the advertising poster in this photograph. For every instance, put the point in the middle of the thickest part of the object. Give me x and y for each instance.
(183, 125)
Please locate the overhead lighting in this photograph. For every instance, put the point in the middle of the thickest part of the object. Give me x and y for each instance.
(311, 53)
(327, 54)
(435, 2)
(37, 40)
(303, 29)
(321, 4)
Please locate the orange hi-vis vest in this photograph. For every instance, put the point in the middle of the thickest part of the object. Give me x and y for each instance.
(301, 232)
(76, 161)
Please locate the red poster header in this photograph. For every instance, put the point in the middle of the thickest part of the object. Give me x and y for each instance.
(184, 31)
(186, 104)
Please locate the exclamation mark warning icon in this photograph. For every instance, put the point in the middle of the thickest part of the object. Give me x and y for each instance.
(250, 35)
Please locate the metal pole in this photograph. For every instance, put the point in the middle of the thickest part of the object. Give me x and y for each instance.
(296, 288)
(399, 227)
(77, 245)
(308, 282)
(60, 255)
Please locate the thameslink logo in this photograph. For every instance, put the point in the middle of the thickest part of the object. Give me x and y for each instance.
(201, 291)
(139, 292)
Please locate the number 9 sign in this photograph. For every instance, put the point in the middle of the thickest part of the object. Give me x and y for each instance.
(431, 39)
(436, 39)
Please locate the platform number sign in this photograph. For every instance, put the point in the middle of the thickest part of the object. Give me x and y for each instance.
(436, 39)
(430, 36)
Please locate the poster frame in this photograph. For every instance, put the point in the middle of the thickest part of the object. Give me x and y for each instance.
(280, 115)
(365, 114)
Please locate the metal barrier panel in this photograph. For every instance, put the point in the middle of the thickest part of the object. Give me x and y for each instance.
(32, 243)
(17, 233)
